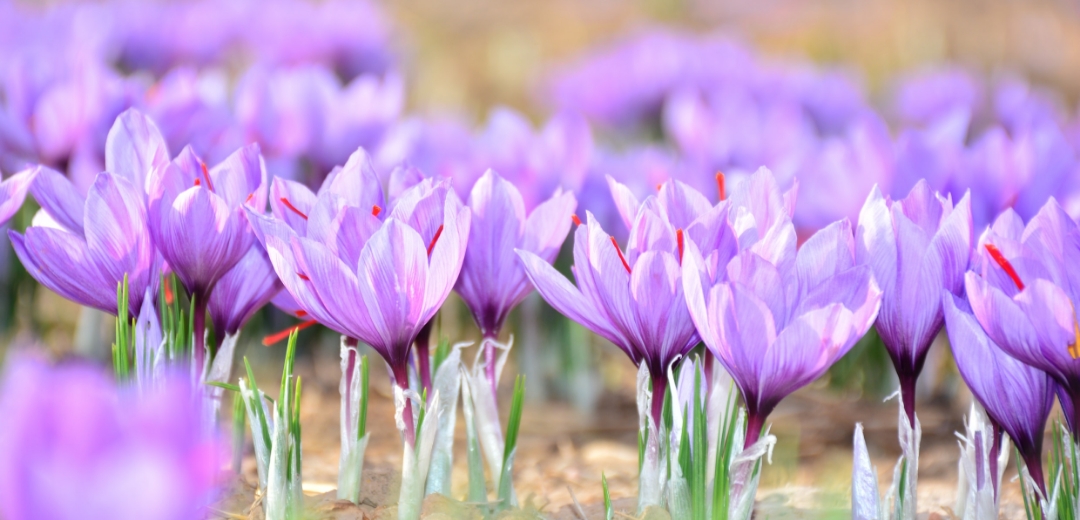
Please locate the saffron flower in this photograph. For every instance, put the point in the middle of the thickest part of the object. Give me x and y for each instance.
(1016, 397)
(1023, 292)
(778, 322)
(198, 222)
(492, 280)
(245, 289)
(633, 299)
(76, 446)
(376, 280)
(916, 247)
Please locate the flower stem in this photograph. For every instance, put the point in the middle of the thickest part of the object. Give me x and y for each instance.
(423, 356)
(659, 391)
(1033, 461)
(489, 363)
(907, 394)
(199, 327)
(401, 379)
(754, 422)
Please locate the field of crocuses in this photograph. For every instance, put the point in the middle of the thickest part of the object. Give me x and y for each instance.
(292, 259)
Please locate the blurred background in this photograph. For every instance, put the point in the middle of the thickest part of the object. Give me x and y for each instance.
(964, 92)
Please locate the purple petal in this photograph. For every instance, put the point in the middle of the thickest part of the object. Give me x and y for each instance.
(393, 278)
(200, 236)
(241, 178)
(682, 203)
(875, 241)
(289, 271)
(58, 197)
(446, 258)
(13, 193)
(664, 322)
(568, 300)
(625, 201)
(336, 285)
(291, 202)
(248, 286)
(60, 261)
(134, 148)
(825, 254)
(1004, 322)
(117, 237)
(804, 350)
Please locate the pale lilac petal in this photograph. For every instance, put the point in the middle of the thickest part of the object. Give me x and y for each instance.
(1004, 322)
(447, 257)
(804, 350)
(825, 254)
(288, 270)
(875, 241)
(422, 206)
(337, 287)
(246, 288)
(568, 300)
(285, 193)
(650, 232)
(134, 148)
(746, 329)
(117, 237)
(200, 237)
(757, 276)
(59, 198)
(682, 203)
(241, 178)
(664, 322)
(393, 278)
(357, 182)
(60, 261)
(401, 179)
(625, 201)
(1053, 315)
(922, 207)
(13, 193)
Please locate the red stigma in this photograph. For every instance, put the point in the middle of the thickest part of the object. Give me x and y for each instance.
(720, 185)
(249, 197)
(168, 293)
(301, 313)
(198, 182)
(276, 337)
(434, 239)
(576, 220)
(303, 277)
(659, 186)
(375, 210)
(621, 257)
(206, 175)
(1000, 259)
(289, 205)
(679, 241)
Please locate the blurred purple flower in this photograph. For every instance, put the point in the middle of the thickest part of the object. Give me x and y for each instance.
(1017, 397)
(777, 319)
(916, 247)
(77, 447)
(923, 97)
(1023, 288)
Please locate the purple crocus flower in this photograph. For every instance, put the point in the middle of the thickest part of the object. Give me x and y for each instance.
(82, 249)
(633, 299)
(777, 322)
(75, 446)
(1017, 397)
(376, 280)
(916, 247)
(198, 221)
(1023, 292)
(492, 282)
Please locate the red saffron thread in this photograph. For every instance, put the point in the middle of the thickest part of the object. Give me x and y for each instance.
(276, 337)
(720, 185)
(434, 239)
(289, 205)
(1000, 259)
(679, 240)
(577, 221)
(621, 257)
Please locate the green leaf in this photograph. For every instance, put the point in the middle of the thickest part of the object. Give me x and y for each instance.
(609, 512)
(513, 424)
(361, 427)
(226, 386)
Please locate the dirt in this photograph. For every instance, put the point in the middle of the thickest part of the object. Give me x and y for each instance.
(563, 452)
